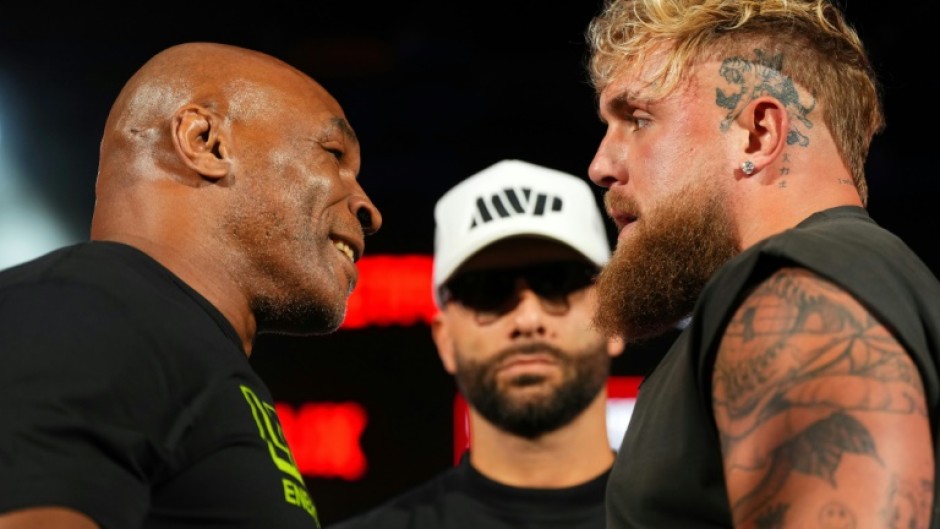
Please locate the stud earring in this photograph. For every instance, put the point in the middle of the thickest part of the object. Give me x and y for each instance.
(748, 167)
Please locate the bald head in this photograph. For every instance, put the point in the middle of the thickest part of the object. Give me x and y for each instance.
(236, 83)
(238, 172)
(219, 75)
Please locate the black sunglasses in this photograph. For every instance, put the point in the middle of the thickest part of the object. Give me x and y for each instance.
(495, 290)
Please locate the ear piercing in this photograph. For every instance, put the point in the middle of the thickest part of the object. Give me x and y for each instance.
(748, 167)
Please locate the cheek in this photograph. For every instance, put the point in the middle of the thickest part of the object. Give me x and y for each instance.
(674, 161)
(582, 336)
(657, 159)
(296, 207)
(296, 168)
(471, 342)
(577, 327)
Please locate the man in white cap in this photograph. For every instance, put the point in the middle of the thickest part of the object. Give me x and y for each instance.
(517, 247)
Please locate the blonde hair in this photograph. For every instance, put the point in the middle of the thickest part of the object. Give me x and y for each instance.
(823, 54)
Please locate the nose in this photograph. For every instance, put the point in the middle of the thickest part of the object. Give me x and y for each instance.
(366, 213)
(602, 170)
(528, 315)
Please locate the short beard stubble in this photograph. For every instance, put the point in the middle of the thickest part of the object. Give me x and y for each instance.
(584, 376)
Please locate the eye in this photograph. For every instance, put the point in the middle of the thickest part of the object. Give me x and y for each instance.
(337, 153)
(640, 121)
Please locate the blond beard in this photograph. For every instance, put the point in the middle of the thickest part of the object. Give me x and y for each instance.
(654, 278)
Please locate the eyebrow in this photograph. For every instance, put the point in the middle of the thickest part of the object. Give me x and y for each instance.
(343, 126)
(626, 98)
(617, 103)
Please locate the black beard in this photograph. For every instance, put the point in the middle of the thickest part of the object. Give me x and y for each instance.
(653, 281)
(585, 375)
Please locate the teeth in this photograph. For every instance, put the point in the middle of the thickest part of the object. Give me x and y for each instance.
(346, 249)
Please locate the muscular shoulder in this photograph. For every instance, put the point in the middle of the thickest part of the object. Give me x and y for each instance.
(796, 330)
(804, 376)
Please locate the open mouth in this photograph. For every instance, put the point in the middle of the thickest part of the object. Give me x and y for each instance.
(346, 249)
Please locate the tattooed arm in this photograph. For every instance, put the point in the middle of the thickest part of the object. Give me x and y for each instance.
(821, 413)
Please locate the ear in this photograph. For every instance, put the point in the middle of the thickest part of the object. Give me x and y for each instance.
(615, 346)
(200, 141)
(766, 125)
(445, 346)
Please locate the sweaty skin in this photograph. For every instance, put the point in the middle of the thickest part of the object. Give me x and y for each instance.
(238, 173)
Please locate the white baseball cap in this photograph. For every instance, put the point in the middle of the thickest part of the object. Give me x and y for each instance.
(515, 198)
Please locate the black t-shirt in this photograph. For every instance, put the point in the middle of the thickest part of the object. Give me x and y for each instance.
(462, 498)
(126, 396)
(669, 470)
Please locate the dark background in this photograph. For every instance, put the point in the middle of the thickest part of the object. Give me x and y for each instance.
(435, 91)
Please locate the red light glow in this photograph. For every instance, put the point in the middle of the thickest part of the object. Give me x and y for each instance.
(324, 438)
(392, 290)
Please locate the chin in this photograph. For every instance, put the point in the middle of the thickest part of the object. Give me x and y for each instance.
(301, 319)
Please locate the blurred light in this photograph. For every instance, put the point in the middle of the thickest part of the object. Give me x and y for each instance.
(28, 228)
(392, 290)
(619, 411)
(324, 438)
